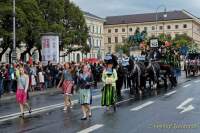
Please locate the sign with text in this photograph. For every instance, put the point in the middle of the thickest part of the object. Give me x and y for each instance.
(154, 43)
(50, 49)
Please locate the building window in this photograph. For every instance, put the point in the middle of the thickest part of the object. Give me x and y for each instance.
(100, 30)
(145, 28)
(123, 30)
(176, 27)
(97, 43)
(109, 39)
(185, 26)
(100, 44)
(109, 30)
(168, 27)
(123, 39)
(153, 27)
(116, 30)
(109, 49)
(130, 29)
(93, 29)
(97, 29)
(116, 39)
(161, 27)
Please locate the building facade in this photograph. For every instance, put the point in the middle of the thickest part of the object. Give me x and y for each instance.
(95, 41)
(118, 28)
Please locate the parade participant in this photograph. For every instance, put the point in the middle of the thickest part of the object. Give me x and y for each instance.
(22, 89)
(85, 97)
(109, 78)
(66, 84)
(119, 82)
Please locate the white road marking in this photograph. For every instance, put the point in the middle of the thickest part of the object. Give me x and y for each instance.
(39, 110)
(170, 93)
(47, 108)
(197, 81)
(91, 129)
(184, 103)
(186, 85)
(142, 106)
(124, 101)
(188, 108)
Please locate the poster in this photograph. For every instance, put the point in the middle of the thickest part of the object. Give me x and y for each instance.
(154, 43)
(50, 49)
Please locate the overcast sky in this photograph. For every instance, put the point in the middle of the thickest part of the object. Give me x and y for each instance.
(105, 8)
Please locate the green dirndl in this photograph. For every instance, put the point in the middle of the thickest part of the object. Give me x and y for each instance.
(108, 95)
(85, 96)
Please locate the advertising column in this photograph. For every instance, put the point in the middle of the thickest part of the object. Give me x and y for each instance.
(50, 48)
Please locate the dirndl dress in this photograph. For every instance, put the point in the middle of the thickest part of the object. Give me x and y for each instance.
(108, 95)
(67, 87)
(21, 96)
(85, 96)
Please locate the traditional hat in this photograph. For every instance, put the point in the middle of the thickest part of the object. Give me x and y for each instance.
(108, 59)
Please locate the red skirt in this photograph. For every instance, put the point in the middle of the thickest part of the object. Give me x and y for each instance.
(21, 96)
(67, 87)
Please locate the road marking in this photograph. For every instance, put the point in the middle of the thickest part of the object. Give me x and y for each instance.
(124, 101)
(38, 110)
(184, 108)
(43, 109)
(197, 81)
(142, 106)
(186, 85)
(91, 129)
(170, 93)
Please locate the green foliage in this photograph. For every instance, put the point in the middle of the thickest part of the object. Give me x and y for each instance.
(125, 48)
(34, 17)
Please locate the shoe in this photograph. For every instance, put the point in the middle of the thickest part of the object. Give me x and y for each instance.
(65, 108)
(84, 118)
(22, 115)
(30, 111)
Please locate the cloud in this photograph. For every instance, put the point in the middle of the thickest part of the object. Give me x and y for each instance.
(105, 8)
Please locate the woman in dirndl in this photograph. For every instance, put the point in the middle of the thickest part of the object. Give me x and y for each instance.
(66, 84)
(109, 78)
(22, 89)
(85, 82)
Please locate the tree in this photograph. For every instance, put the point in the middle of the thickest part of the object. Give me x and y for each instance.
(6, 21)
(182, 40)
(125, 48)
(75, 25)
(35, 26)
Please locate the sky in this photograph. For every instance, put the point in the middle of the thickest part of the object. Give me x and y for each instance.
(103, 8)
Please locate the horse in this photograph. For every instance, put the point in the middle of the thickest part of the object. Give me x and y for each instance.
(153, 75)
(137, 76)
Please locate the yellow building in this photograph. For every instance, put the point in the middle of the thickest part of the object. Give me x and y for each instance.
(118, 28)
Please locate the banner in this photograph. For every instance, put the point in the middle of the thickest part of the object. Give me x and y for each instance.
(154, 43)
(50, 49)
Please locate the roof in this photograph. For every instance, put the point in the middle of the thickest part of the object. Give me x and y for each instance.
(91, 15)
(146, 17)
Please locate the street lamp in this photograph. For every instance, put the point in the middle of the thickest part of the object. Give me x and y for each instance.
(14, 55)
(164, 15)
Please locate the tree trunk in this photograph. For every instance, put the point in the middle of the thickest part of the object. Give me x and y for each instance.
(10, 56)
(28, 50)
(40, 55)
(2, 53)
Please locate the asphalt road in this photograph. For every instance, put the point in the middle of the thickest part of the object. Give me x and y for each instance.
(175, 111)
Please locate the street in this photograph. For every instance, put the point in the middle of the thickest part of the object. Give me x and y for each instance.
(174, 111)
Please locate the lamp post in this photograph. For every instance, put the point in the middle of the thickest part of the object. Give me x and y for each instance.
(164, 15)
(14, 55)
